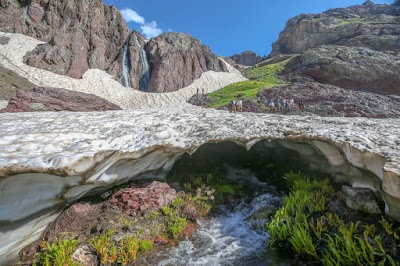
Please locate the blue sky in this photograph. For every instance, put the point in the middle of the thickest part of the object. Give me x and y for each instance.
(227, 27)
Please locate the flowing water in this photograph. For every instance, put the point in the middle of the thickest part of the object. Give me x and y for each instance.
(145, 67)
(227, 239)
(126, 79)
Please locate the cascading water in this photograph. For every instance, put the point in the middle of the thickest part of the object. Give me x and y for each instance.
(145, 67)
(227, 239)
(126, 79)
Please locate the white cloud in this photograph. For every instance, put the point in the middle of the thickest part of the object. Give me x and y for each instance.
(149, 30)
(132, 16)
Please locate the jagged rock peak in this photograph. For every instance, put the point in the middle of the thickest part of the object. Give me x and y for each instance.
(247, 58)
(177, 59)
(79, 34)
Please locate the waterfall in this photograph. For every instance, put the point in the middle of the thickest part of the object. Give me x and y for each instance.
(126, 79)
(145, 67)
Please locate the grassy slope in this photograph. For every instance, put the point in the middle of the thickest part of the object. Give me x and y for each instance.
(264, 77)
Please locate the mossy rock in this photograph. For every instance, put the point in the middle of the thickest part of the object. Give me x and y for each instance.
(263, 213)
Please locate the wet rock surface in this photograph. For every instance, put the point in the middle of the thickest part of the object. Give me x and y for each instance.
(41, 99)
(178, 59)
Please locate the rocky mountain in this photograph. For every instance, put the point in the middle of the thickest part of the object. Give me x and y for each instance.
(82, 35)
(177, 59)
(247, 58)
(355, 48)
(369, 25)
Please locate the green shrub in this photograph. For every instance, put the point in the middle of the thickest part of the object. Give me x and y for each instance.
(175, 226)
(145, 245)
(59, 253)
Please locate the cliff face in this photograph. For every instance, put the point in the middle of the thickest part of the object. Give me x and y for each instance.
(79, 34)
(247, 58)
(371, 26)
(177, 59)
(87, 34)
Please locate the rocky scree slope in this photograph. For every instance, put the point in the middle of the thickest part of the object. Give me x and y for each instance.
(82, 35)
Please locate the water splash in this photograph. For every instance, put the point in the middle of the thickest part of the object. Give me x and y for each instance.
(145, 67)
(126, 79)
(224, 240)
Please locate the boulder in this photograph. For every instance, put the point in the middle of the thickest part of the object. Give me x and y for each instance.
(79, 34)
(360, 199)
(135, 201)
(56, 99)
(178, 59)
(352, 68)
(372, 26)
(86, 255)
(247, 58)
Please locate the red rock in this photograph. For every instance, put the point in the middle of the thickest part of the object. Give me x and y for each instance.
(190, 229)
(135, 201)
(159, 240)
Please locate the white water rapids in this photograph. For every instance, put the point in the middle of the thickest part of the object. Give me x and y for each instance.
(227, 239)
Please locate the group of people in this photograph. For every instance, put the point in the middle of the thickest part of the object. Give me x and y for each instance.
(236, 106)
(277, 105)
(282, 104)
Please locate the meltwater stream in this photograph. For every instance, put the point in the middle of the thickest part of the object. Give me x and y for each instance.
(227, 239)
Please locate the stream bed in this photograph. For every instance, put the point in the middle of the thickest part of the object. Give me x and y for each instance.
(227, 238)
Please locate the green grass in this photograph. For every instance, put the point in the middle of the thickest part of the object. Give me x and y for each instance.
(264, 77)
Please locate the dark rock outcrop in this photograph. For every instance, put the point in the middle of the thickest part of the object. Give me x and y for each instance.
(247, 58)
(56, 99)
(178, 59)
(79, 34)
(372, 26)
(351, 68)
(327, 100)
